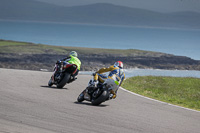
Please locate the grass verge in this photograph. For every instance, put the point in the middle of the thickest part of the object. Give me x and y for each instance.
(31, 48)
(184, 92)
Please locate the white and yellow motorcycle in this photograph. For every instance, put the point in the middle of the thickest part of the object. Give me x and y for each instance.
(100, 93)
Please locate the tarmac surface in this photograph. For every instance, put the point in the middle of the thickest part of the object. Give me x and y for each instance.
(28, 105)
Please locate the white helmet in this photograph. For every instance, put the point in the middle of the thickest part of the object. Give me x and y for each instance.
(119, 64)
(73, 53)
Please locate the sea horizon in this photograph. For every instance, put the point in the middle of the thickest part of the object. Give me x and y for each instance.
(155, 72)
(180, 42)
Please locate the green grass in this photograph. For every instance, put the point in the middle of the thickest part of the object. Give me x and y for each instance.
(31, 48)
(175, 90)
(10, 43)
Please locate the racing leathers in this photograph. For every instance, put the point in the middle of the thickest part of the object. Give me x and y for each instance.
(72, 60)
(115, 73)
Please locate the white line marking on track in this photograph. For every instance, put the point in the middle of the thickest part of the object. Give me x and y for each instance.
(158, 100)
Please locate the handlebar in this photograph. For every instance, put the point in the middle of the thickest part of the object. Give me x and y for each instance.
(93, 74)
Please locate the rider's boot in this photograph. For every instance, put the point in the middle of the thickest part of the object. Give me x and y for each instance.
(72, 78)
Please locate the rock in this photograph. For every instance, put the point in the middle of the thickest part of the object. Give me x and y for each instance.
(95, 62)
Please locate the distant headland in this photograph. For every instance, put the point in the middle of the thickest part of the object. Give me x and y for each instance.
(30, 56)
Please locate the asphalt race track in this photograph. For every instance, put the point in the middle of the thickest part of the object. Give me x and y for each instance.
(28, 105)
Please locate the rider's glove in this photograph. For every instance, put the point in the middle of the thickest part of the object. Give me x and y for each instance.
(58, 62)
(93, 74)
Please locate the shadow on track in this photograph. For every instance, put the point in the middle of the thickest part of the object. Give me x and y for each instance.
(89, 104)
(53, 87)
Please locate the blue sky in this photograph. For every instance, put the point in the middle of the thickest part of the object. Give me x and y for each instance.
(154, 5)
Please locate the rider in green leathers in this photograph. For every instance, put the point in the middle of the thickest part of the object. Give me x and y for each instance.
(72, 59)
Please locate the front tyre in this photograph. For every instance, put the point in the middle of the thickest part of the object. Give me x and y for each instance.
(63, 81)
(101, 98)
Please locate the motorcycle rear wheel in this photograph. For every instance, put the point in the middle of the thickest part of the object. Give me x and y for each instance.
(81, 97)
(63, 82)
(101, 98)
(50, 83)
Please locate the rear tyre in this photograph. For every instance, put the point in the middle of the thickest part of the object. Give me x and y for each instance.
(81, 97)
(63, 82)
(50, 83)
(101, 98)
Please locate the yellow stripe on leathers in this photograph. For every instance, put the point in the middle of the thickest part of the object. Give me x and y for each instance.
(103, 70)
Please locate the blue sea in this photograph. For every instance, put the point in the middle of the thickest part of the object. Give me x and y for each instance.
(183, 42)
(155, 72)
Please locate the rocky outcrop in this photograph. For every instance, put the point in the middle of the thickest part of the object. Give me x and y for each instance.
(96, 61)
